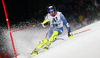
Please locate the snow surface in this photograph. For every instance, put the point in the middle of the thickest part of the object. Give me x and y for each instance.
(84, 45)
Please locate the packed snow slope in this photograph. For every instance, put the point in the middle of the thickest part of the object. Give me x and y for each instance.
(84, 45)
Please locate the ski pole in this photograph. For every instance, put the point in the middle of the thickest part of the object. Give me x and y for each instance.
(26, 27)
(82, 31)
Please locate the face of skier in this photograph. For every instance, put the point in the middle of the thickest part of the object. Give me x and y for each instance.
(52, 13)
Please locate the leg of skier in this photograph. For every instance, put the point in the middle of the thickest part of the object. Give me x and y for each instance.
(40, 45)
(56, 32)
(43, 42)
(51, 39)
(51, 35)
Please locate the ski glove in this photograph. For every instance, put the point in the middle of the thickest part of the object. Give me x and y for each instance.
(46, 24)
(70, 35)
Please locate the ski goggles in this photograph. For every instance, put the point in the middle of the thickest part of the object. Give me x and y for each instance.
(51, 10)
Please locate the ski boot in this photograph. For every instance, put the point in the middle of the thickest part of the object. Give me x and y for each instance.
(47, 46)
(35, 52)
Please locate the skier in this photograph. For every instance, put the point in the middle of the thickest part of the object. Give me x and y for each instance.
(56, 20)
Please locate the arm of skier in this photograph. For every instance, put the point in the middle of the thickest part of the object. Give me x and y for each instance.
(67, 25)
(45, 22)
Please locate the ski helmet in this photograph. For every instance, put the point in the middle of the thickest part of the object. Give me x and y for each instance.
(51, 8)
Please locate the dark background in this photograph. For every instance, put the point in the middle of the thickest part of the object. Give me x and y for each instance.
(23, 10)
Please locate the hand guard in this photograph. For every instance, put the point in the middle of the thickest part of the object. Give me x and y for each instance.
(70, 35)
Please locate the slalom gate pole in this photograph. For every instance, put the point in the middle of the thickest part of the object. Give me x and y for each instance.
(3, 3)
(82, 31)
(25, 28)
